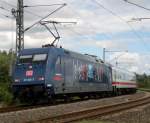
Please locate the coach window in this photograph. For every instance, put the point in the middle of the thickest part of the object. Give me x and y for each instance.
(58, 65)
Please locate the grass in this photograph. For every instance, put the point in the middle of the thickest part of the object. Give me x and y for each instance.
(144, 89)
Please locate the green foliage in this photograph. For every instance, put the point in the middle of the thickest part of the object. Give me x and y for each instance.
(5, 79)
(5, 93)
(143, 80)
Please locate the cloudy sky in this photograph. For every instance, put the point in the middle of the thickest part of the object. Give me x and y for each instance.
(100, 24)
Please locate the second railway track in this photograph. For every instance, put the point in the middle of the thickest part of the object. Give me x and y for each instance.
(66, 113)
(95, 111)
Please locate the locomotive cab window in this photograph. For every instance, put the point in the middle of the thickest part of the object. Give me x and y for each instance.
(39, 57)
(25, 59)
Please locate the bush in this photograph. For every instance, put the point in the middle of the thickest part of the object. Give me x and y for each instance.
(143, 80)
(6, 96)
(5, 79)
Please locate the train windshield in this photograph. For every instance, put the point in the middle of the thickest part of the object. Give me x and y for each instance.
(39, 57)
(32, 58)
(25, 59)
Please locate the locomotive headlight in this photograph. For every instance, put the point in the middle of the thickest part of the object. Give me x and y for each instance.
(41, 78)
(49, 85)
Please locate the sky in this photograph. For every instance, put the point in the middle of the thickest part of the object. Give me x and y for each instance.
(99, 24)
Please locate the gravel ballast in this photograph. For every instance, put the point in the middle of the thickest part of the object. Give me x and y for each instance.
(49, 111)
(136, 115)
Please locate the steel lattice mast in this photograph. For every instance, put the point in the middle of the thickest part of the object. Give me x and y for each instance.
(19, 15)
(19, 26)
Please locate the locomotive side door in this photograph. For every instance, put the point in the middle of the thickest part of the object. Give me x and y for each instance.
(61, 74)
(59, 78)
(110, 78)
(64, 73)
(68, 74)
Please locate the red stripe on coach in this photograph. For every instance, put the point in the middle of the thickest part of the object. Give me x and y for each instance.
(123, 83)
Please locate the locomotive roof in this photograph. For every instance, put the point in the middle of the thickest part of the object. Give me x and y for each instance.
(71, 53)
(34, 51)
(84, 56)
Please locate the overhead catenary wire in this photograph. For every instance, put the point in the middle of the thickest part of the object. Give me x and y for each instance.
(123, 20)
(137, 5)
(41, 16)
(56, 34)
(29, 12)
(45, 17)
(105, 35)
(25, 6)
(6, 10)
(141, 32)
(7, 16)
(34, 13)
(40, 29)
(139, 36)
(1, 7)
(110, 11)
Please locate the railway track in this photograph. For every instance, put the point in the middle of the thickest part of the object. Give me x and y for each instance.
(15, 108)
(95, 111)
(26, 107)
(48, 114)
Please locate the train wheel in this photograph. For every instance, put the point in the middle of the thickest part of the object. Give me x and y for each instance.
(114, 91)
(119, 92)
(67, 99)
(51, 99)
(109, 94)
(82, 96)
(97, 96)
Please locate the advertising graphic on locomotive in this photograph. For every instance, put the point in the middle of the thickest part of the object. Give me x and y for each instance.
(55, 72)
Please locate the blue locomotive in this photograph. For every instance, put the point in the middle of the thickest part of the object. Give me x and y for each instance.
(56, 72)
(53, 71)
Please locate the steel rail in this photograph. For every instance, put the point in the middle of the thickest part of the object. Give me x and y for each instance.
(95, 111)
(36, 106)
(16, 108)
(80, 114)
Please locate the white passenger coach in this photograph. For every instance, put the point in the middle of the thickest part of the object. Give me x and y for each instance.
(123, 81)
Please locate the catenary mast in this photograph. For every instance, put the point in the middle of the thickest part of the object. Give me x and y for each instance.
(20, 26)
(19, 15)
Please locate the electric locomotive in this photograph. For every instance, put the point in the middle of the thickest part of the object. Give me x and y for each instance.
(56, 72)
